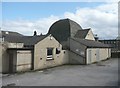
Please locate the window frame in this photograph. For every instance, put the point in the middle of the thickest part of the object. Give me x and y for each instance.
(50, 53)
(58, 51)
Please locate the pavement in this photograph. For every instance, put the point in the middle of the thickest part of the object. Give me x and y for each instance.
(104, 73)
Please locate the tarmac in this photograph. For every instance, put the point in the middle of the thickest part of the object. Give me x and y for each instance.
(104, 73)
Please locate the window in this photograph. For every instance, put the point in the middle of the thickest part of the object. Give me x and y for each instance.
(57, 50)
(49, 53)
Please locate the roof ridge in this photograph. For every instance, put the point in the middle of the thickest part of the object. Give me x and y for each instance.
(87, 29)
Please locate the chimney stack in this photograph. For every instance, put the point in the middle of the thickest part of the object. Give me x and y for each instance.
(96, 37)
(35, 33)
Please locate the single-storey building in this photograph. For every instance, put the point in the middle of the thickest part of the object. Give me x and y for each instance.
(10, 47)
(81, 44)
(65, 43)
(49, 53)
(24, 53)
(84, 51)
(20, 59)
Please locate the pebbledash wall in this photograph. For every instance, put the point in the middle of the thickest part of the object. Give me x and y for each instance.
(40, 54)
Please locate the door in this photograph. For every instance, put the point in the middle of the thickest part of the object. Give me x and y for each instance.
(89, 56)
(97, 55)
(11, 62)
(24, 60)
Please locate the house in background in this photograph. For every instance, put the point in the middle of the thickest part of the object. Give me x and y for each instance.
(65, 43)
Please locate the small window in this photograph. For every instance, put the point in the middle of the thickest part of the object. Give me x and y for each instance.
(49, 53)
(57, 51)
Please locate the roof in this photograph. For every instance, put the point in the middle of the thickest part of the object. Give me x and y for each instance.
(27, 40)
(24, 48)
(14, 37)
(63, 29)
(31, 40)
(9, 33)
(81, 33)
(91, 43)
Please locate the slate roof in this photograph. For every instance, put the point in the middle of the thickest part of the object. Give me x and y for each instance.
(63, 29)
(9, 33)
(31, 40)
(81, 33)
(91, 43)
(14, 37)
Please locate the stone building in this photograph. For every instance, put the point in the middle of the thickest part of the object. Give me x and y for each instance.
(65, 43)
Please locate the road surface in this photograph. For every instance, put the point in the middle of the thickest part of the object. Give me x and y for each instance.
(104, 73)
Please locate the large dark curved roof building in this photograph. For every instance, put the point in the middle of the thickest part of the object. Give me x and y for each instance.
(63, 29)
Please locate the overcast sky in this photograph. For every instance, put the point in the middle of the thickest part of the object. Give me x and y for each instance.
(25, 17)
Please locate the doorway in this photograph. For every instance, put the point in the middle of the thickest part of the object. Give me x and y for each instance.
(11, 63)
(97, 55)
(89, 56)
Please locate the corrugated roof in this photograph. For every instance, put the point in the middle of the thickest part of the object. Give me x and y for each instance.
(91, 43)
(81, 33)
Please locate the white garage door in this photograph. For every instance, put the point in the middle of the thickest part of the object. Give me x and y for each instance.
(89, 56)
(24, 60)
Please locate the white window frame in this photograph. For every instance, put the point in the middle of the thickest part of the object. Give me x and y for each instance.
(50, 57)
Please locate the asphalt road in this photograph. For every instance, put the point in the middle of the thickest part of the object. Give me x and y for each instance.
(104, 73)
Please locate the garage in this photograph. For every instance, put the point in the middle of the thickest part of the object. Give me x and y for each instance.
(20, 60)
(24, 60)
(97, 54)
(88, 51)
